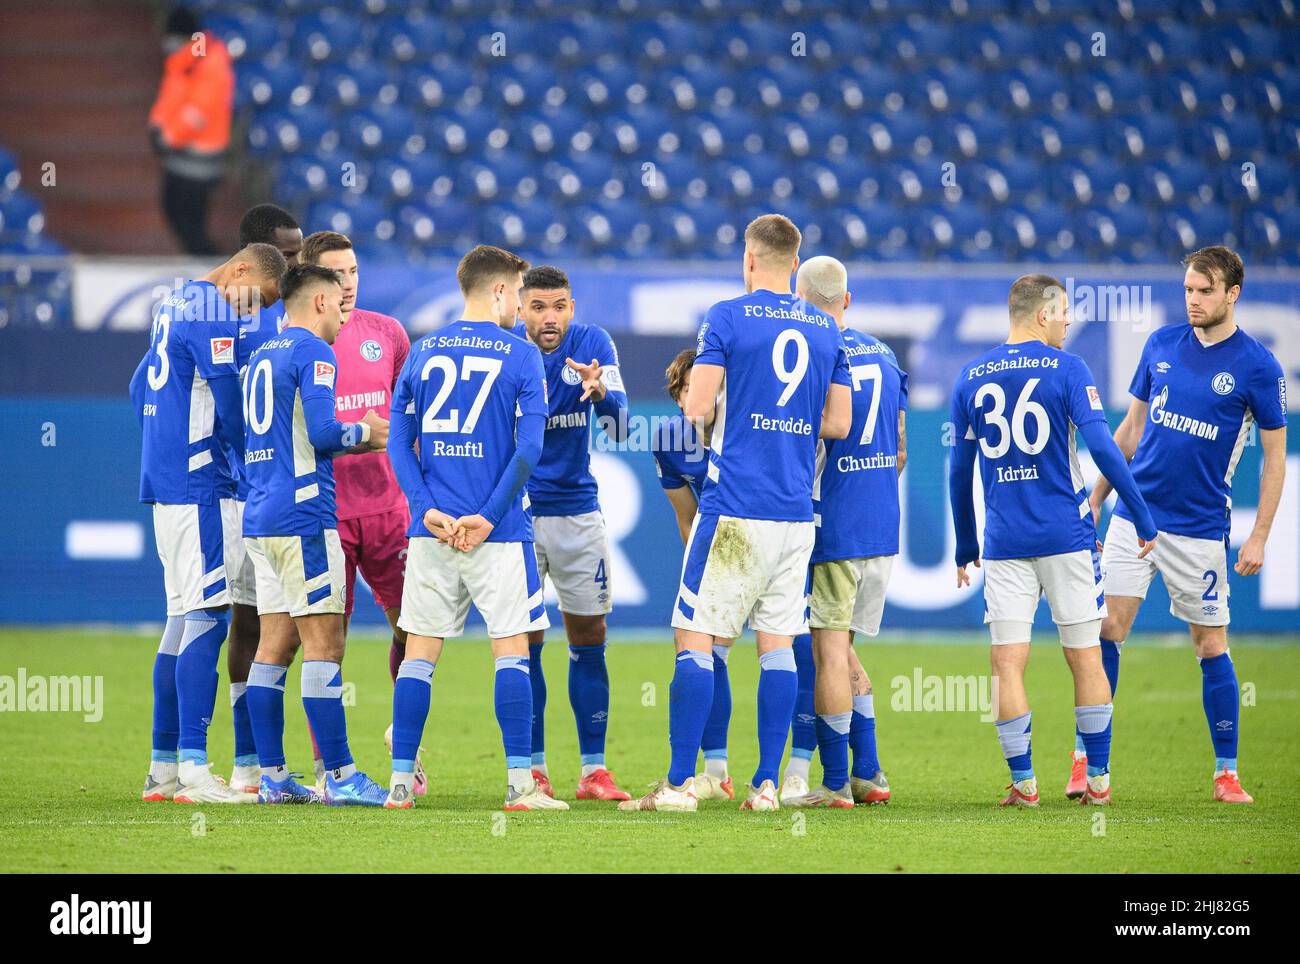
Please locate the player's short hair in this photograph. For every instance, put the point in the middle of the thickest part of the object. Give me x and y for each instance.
(486, 264)
(677, 371)
(1218, 264)
(773, 236)
(304, 278)
(261, 221)
(322, 241)
(1030, 292)
(546, 277)
(824, 279)
(266, 258)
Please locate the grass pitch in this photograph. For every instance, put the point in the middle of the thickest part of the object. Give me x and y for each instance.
(69, 789)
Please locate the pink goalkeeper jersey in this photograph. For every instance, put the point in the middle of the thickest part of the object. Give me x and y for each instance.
(371, 349)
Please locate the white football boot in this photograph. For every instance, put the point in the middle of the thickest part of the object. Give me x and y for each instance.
(666, 797)
(531, 797)
(793, 786)
(246, 779)
(764, 797)
(206, 787)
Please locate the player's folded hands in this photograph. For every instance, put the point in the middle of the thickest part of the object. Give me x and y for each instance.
(469, 531)
(441, 525)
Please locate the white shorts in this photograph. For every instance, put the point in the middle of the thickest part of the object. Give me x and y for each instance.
(500, 578)
(574, 551)
(198, 545)
(738, 569)
(849, 594)
(299, 575)
(1195, 572)
(243, 581)
(1070, 580)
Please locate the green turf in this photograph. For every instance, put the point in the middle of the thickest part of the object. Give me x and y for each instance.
(69, 789)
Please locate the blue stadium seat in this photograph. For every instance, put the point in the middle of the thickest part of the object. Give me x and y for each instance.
(269, 84)
(326, 37)
(357, 86)
(249, 35)
(415, 37)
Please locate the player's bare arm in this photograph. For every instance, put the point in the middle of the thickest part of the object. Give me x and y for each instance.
(684, 506)
(1250, 557)
(837, 414)
(902, 441)
(701, 399)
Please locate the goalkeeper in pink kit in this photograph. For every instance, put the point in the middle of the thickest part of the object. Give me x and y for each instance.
(373, 514)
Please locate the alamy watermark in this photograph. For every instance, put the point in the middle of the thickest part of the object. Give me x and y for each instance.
(53, 694)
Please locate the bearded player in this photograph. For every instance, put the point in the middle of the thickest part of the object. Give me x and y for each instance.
(1197, 391)
(583, 381)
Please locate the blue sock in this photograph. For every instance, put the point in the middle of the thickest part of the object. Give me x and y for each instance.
(803, 738)
(265, 700)
(1222, 711)
(690, 699)
(1013, 734)
(513, 695)
(714, 740)
(410, 710)
(589, 697)
(862, 737)
(166, 714)
(196, 679)
(1093, 722)
(322, 698)
(1110, 663)
(538, 682)
(778, 685)
(833, 745)
(245, 745)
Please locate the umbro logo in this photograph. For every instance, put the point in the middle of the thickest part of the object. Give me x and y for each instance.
(600, 716)
(1162, 367)
(1223, 726)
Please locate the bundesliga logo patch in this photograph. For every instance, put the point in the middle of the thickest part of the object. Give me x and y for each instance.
(223, 351)
(1094, 397)
(324, 374)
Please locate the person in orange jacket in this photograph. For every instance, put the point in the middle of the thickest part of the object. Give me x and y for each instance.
(189, 125)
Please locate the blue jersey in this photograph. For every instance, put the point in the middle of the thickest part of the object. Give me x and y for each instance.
(562, 483)
(680, 456)
(780, 355)
(1022, 403)
(855, 494)
(291, 436)
(184, 458)
(1202, 401)
(254, 332)
(463, 386)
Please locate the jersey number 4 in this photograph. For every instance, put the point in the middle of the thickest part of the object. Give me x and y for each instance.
(1016, 430)
(451, 422)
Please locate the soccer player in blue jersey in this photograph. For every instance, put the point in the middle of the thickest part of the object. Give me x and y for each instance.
(1198, 390)
(856, 511)
(583, 382)
(681, 461)
(186, 393)
(770, 376)
(291, 532)
(1017, 407)
(261, 224)
(474, 399)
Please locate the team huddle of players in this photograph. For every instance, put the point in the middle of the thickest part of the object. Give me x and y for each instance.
(463, 475)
